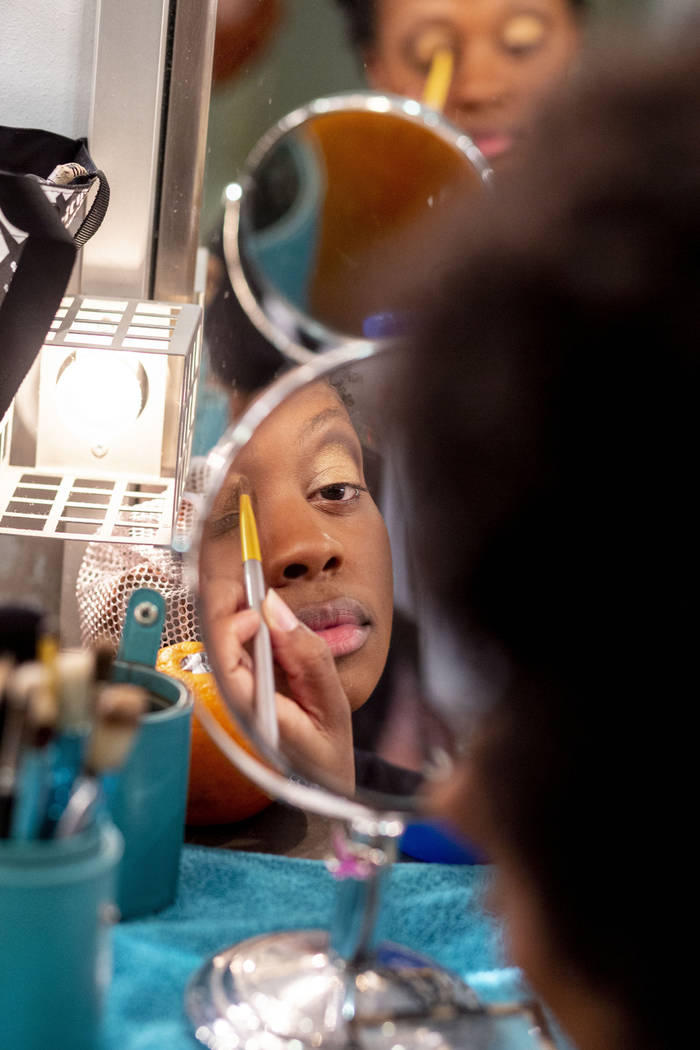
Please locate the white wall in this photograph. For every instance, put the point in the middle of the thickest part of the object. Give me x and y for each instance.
(46, 70)
(46, 64)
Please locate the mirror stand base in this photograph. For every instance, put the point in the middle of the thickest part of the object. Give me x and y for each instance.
(290, 991)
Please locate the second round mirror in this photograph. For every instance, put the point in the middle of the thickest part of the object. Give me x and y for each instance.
(319, 227)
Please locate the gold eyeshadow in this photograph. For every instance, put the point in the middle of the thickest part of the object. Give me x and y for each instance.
(420, 47)
(523, 31)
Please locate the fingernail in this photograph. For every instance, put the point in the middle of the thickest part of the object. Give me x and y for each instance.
(277, 612)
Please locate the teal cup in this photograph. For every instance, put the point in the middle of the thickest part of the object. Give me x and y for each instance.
(147, 799)
(56, 909)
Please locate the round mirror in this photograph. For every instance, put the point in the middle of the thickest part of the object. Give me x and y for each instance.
(307, 501)
(305, 498)
(321, 226)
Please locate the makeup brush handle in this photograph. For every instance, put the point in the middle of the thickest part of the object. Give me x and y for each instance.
(14, 722)
(265, 705)
(6, 806)
(81, 809)
(264, 674)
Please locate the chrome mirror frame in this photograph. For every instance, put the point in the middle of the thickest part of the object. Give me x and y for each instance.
(311, 336)
(302, 989)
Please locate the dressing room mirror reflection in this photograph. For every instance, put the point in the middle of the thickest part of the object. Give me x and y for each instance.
(327, 503)
(497, 59)
(326, 225)
(274, 55)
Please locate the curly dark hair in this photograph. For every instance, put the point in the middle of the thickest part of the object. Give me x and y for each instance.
(551, 412)
(239, 355)
(360, 16)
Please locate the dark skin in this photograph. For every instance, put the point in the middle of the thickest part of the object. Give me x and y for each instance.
(327, 560)
(508, 56)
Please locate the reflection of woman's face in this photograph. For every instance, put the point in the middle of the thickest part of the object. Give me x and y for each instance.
(508, 54)
(325, 547)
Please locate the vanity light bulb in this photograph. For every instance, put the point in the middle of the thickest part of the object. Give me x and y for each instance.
(99, 395)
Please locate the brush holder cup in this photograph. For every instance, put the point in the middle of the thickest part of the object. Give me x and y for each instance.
(147, 799)
(56, 909)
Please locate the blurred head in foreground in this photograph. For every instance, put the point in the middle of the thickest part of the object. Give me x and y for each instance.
(550, 408)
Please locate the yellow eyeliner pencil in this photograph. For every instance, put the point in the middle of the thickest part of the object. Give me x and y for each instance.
(437, 84)
(265, 708)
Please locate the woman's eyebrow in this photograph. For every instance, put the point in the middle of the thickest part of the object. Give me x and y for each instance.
(228, 498)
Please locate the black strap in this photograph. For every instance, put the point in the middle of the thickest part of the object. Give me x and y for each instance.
(93, 220)
(44, 269)
(45, 258)
(28, 151)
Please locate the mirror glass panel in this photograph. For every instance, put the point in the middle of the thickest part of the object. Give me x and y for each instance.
(295, 52)
(314, 455)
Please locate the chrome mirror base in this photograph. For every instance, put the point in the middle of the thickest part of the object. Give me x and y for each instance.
(289, 991)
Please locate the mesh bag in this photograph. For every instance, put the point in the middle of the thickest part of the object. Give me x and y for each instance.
(110, 573)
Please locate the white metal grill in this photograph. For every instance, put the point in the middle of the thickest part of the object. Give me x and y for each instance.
(55, 481)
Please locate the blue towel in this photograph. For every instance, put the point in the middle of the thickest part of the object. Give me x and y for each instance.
(225, 897)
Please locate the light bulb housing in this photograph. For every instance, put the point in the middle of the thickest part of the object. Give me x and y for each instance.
(97, 442)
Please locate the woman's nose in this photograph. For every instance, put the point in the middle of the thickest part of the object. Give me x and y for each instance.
(478, 84)
(298, 546)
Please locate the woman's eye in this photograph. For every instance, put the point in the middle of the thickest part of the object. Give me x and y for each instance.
(420, 48)
(523, 33)
(340, 492)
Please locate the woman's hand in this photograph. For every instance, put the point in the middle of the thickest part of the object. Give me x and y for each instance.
(315, 724)
(313, 712)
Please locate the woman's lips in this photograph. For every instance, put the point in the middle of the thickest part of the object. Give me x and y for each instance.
(345, 638)
(493, 144)
(343, 623)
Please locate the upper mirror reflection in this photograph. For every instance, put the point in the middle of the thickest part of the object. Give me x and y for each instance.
(329, 207)
(319, 476)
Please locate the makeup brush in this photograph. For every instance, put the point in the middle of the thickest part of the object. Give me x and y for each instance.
(35, 774)
(47, 648)
(6, 664)
(119, 709)
(104, 658)
(20, 626)
(16, 692)
(439, 80)
(75, 670)
(265, 706)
